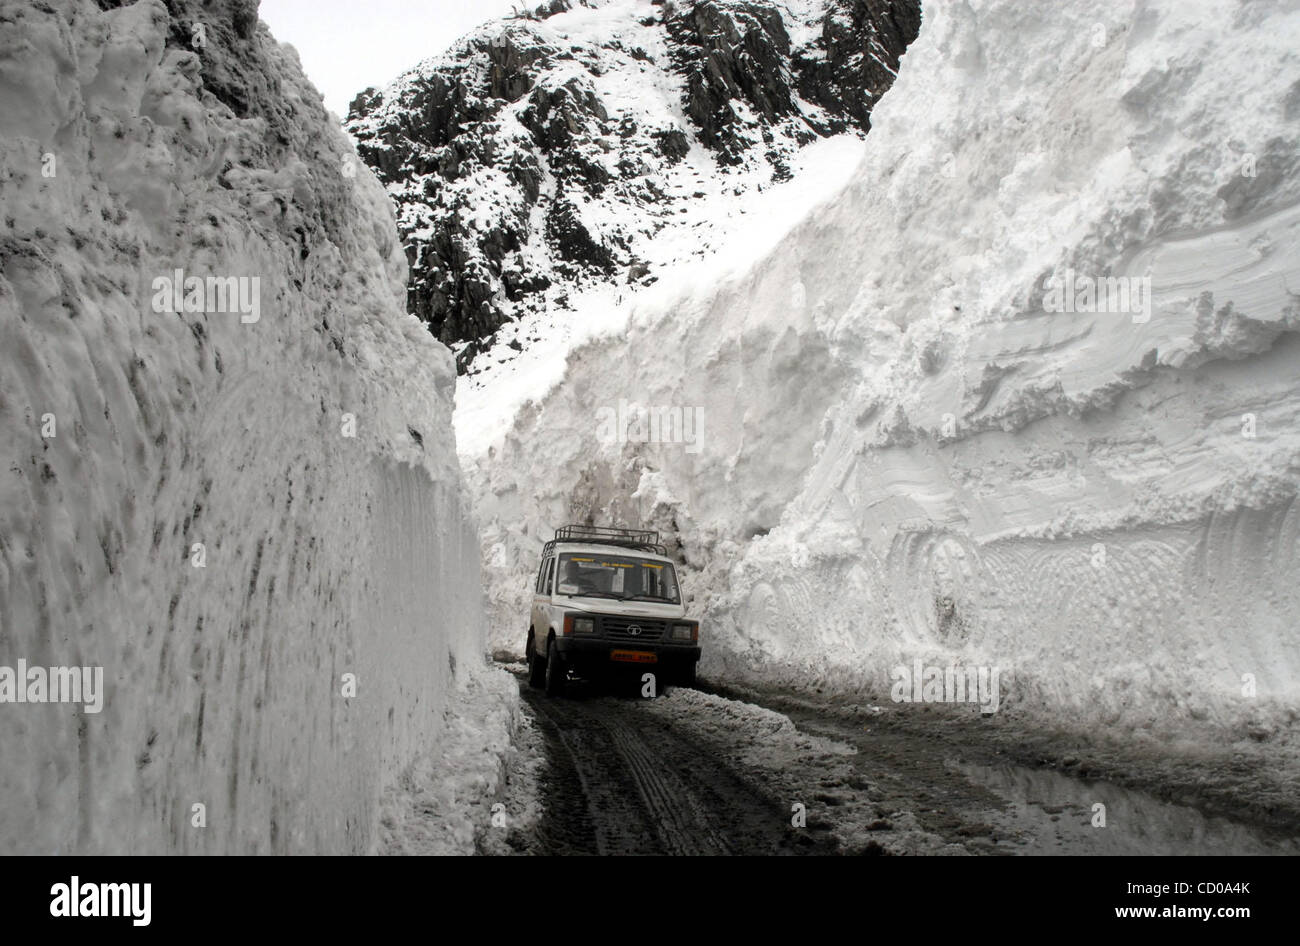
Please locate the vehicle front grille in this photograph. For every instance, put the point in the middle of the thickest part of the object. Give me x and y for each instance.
(621, 629)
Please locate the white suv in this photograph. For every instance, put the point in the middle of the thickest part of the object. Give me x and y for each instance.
(606, 598)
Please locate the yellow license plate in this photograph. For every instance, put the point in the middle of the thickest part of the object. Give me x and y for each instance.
(634, 656)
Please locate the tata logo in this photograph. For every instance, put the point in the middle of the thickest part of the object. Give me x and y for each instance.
(634, 629)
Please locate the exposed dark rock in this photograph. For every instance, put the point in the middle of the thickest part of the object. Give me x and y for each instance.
(572, 240)
(845, 81)
(673, 143)
(500, 154)
(732, 53)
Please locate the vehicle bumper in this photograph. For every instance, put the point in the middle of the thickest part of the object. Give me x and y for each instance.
(590, 655)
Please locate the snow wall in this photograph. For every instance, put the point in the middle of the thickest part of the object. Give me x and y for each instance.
(910, 446)
(137, 142)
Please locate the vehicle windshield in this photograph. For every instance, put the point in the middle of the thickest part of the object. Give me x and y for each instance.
(624, 577)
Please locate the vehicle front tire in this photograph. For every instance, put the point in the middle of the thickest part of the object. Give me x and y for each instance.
(555, 671)
(686, 678)
(536, 666)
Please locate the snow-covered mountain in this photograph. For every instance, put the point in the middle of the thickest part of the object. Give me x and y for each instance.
(1022, 392)
(237, 508)
(1011, 382)
(604, 143)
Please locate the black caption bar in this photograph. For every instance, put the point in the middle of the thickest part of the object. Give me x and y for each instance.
(132, 897)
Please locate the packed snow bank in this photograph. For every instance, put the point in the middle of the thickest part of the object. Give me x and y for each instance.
(453, 799)
(239, 513)
(948, 419)
(487, 402)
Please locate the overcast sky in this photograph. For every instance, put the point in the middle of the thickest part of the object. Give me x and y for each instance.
(346, 45)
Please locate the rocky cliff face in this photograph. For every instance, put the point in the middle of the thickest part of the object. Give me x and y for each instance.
(549, 151)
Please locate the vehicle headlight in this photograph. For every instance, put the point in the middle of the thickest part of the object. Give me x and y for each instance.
(576, 625)
(683, 632)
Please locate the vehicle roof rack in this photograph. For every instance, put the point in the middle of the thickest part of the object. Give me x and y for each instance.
(645, 540)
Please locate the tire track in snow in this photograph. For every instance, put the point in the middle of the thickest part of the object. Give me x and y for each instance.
(645, 788)
(683, 826)
(613, 807)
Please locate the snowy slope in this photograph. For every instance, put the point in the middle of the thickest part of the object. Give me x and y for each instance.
(548, 167)
(130, 149)
(913, 450)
